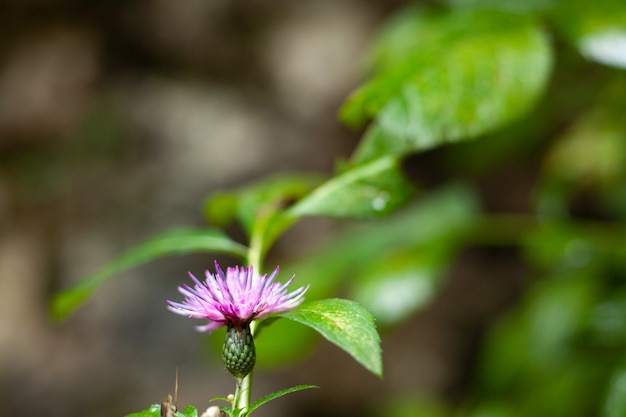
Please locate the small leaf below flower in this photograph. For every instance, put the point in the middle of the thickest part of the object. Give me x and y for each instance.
(277, 394)
(155, 411)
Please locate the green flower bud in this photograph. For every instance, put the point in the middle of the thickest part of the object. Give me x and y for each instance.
(238, 351)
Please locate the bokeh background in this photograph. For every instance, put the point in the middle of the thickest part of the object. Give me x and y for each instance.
(118, 119)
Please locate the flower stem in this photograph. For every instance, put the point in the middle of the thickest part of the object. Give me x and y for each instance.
(255, 253)
(235, 403)
(244, 386)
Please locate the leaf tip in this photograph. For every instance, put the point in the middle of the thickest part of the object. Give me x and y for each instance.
(64, 302)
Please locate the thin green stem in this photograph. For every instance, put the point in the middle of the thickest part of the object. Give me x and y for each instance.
(255, 251)
(244, 386)
(254, 257)
(235, 403)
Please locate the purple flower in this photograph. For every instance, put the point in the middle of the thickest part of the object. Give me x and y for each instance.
(236, 298)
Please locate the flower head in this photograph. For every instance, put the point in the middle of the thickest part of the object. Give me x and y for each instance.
(235, 298)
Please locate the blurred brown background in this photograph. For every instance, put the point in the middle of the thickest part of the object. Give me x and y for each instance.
(117, 118)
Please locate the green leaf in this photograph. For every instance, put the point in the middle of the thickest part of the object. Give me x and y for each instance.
(448, 76)
(589, 157)
(277, 394)
(345, 323)
(440, 217)
(190, 411)
(539, 339)
(220, 399)
(153, 411)
(256, 200)
(597, 29)
(592, 151)
(402, 281)
(615, 404)
(608, 320)
(178, 242)
(260, 207)
(220, 208)
(514, 6)
(370, 190)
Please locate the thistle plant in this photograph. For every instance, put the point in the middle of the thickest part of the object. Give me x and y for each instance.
(236, 299)
(242, 300)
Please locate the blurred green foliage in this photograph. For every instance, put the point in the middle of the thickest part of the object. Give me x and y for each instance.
(446, 76)
(561, 352)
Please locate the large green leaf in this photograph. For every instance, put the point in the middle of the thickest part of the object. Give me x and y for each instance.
(370, 190)
(597, 29)
(448, 76)
(178, 242)
(345, 323)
